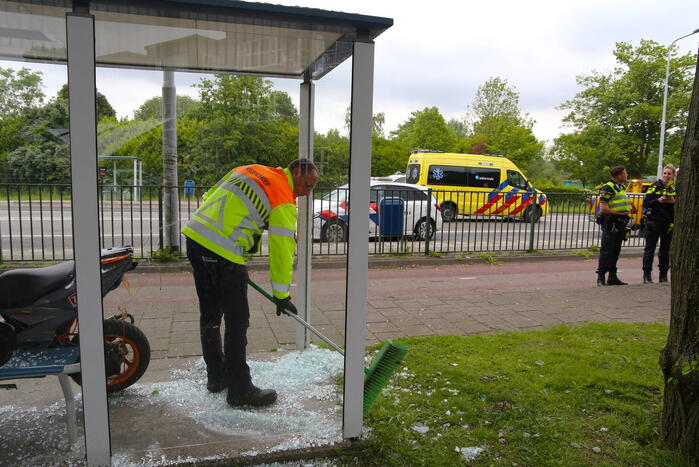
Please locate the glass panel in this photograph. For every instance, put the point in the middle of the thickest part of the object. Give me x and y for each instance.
(196, 45)
(32, 32)
(449, 175)
(166, 308)
(484, 178)
(37, 420)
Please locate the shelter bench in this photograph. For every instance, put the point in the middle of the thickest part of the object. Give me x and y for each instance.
(38, 363)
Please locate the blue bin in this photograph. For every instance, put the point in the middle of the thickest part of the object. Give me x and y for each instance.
(189, 187)
(391, 216)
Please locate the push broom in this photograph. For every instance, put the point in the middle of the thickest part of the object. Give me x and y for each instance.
(380, 369)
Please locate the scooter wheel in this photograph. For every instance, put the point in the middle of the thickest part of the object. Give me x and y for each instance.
(127, 355)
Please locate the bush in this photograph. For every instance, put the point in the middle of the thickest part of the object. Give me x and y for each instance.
(558, 194)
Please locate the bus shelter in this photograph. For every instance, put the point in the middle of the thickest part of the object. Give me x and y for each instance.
(209, 36)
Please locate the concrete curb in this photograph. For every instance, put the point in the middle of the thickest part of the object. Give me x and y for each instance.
(376, 262)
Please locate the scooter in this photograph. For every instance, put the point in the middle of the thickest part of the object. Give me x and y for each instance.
(39, 309)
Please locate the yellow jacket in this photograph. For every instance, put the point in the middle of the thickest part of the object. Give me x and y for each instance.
(234, 213)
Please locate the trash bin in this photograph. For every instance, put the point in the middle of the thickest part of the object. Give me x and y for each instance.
(189, 187)
(391, 217)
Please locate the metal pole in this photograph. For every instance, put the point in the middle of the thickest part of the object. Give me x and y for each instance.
(171, 192)
(661, 148)
(357, 252)
(305, 219)
(429, 221)
(80, 34)
(532, 227)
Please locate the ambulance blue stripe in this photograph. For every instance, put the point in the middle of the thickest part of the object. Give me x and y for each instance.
(494, 193)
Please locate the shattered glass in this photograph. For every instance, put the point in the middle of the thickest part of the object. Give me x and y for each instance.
(307, 413)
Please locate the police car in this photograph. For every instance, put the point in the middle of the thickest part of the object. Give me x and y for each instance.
(405, 206)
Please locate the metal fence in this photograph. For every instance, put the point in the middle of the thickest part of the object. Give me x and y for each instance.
(36, 221)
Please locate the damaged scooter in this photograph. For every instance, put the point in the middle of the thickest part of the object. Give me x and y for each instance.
(39, 309)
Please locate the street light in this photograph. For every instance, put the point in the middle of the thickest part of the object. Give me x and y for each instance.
(662, 124)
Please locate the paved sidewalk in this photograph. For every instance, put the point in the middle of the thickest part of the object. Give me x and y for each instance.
(449, 299)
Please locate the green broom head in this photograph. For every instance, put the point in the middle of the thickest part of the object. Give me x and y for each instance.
(382, 367)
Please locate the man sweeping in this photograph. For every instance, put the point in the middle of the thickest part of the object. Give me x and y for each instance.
(222, 233)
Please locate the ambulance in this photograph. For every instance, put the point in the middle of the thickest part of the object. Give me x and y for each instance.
(476, 185)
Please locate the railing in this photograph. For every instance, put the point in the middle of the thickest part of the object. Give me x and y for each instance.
(36, 221)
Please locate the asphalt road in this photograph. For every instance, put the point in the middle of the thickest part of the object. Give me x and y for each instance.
(44, 231)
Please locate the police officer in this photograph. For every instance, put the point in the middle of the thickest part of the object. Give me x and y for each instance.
(659, 208)
(614, 215)
(222, 233)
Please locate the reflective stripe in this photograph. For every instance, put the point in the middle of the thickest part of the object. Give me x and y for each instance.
(252, 211)
(240, 231)
(214, 238)
(282, 232)
(282, 288)
(254, 187)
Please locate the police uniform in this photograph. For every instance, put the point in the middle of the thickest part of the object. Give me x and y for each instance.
(613, 231)
(222, 233)
(660, 218)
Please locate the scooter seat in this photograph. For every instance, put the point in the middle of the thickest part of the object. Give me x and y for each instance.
(23, 287)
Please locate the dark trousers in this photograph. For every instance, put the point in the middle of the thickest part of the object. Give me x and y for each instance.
(223, 292)
(612, 238)
(655, 231)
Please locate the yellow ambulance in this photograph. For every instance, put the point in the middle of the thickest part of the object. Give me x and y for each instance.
(476, 185)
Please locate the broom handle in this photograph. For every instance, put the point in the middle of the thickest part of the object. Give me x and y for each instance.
(298, 318)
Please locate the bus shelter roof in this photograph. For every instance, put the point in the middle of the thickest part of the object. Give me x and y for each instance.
(209, 36)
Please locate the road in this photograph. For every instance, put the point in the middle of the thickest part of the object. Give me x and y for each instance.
(33, 231)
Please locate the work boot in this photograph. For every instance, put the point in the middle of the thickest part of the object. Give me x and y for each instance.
(614, 280)
(252, 396)
(663, 276)
(647, 278)
(215, 384)
(601, 280)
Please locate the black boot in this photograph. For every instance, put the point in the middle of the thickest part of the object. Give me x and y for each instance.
(647, 278)
(614, 280)
(215, 382)
(601, 281)
(663, 276)
(252, 396)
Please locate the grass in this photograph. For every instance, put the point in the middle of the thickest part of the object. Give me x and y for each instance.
(565, 396)
(490, 257)
(592, 250)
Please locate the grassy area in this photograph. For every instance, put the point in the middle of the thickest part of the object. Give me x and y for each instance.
(569, 396)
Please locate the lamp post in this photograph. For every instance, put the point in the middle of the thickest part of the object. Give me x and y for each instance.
(661, 149)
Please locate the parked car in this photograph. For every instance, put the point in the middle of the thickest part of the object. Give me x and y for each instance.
(395, 209)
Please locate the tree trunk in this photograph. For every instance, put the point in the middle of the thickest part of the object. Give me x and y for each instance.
(171, 220)
(679, 360)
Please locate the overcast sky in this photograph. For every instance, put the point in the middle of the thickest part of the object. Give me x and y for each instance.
(437, 54)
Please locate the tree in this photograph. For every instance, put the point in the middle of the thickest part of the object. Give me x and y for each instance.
(425, 129)
(47, 162)
(679, 359)
(459, 127)
(19, 91)
(377, 123)
(616, 117)
(153, 108)
(235, 112)
(495, 100)
(499, 127)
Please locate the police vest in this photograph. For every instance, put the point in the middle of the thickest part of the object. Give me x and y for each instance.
(619, 201)
(660, 189)
(234, 213)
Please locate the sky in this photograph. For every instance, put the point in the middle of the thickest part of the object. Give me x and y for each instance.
(437, 54)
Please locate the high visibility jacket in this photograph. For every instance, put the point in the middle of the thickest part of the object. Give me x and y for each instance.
(656, 211)
(234, 213)
(616, 197)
